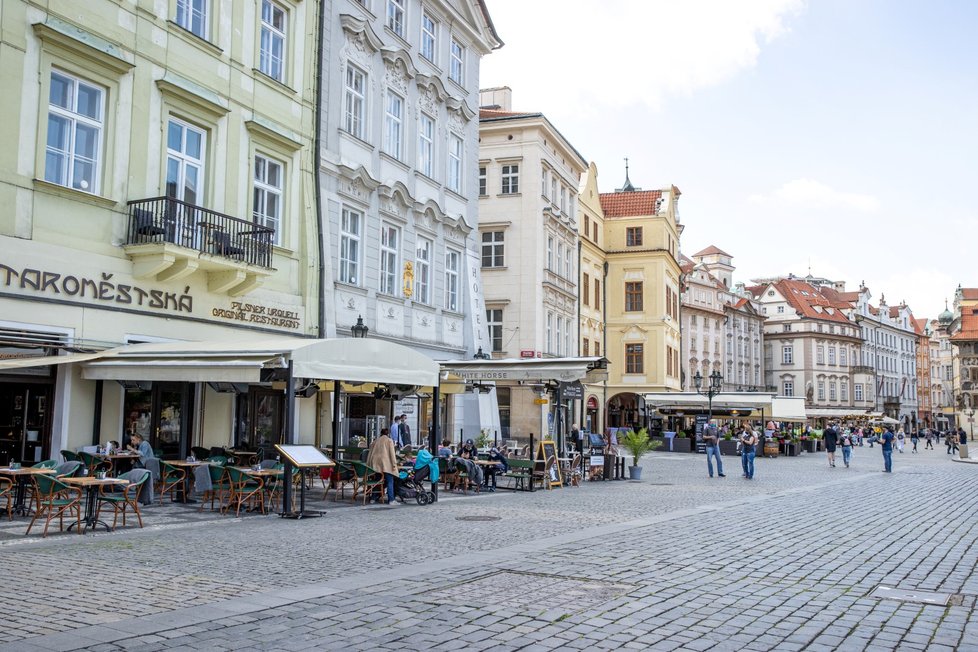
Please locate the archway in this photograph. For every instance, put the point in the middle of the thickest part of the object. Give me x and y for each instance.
(626, 410)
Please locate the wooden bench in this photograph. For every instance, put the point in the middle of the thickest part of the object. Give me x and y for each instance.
(520, 471)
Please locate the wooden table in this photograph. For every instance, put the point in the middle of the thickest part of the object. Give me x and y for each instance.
(22, 475)
(91, 485)
(262, 475)
(189, 466)
(112, 458)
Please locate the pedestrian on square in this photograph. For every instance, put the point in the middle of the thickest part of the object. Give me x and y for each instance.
(886, 442)
(748, 440)
(929, 439)
(962, 437)
(846, 442)
(711, 437)
(900, 439)
(952, 441)
(383, 459)
(404, 431)
(831, 439)
(914, 439)
(395, 433)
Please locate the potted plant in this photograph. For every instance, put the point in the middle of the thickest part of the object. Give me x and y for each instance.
(637, 444)
(727, 445)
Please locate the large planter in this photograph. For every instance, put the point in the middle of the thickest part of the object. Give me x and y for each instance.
(792, 449)
(728, 447)
(663, 443)
(811, 445)
(634, 473)
(682, 445)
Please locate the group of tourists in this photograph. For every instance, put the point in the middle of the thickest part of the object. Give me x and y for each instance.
(747, 440)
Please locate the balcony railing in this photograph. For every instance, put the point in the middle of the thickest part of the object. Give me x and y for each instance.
(862, 369)
(164, 219)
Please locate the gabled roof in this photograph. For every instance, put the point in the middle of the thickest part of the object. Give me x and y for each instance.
(809, 302)
(497, 114)
(968, 330)
(630, 204)
(712, 250)
(919, 325)
(755, 290)
(969, 294)
(840, 298)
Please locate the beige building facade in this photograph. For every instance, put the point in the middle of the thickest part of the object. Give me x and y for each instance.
(593, 270)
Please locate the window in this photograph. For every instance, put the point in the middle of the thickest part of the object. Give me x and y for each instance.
(586, 347)
(553, 189)
(560, 336)
(456, 65)
(544, 175)
(483, 186)
(843, 357)
(422, 271)
(634, 359)
(350, 225)
(184, 162)
(844, 391)
(780, 310)
(492, 249)
(192, 16)
(267, 209)
(786, 328)
(567, 336)
(832, 392)
(821, 390)
(563, 199)
(550, 252)
(857, 390)
(451, 280)
(388, 259)
(354, 104)
(569, 264)
(511, 179)
(787, 354)
(75, 122)
(587, 226)
(395, 16)
(597, 293)
(494, 318)
(455, 158)
(832, 355)
(633, 236)
(633, 296)
(820, 354)
(429, 37)
(585, 290)
(560, 258)
(550, 329)
(788, 388)
(271, 60)
(426, 145)
(597, 348)
(393, 120)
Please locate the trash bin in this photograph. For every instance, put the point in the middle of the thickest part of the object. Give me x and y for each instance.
(963, 451)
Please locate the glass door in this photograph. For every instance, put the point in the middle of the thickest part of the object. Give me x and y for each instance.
(24, 423)
(260, 420)
(171, 403)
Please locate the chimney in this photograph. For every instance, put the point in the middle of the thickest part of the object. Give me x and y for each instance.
(499, 98)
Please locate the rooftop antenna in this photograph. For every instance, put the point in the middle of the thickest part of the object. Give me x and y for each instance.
(628, 187)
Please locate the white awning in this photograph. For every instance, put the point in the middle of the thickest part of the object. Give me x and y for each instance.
(536, 370)
(357, 360)
(788, 408)
(721, 401)
(43, 361)
(839, 413)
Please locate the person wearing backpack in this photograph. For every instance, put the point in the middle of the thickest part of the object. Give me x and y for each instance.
(846, 447)
(886, 442)
(748, 441)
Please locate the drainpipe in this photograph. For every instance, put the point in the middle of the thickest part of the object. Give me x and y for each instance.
(580, 416)
(604, 339)
(317, 143)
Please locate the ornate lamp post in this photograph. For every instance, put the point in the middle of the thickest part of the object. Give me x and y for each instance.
(482, 355)
(360, 329)
(716, 383)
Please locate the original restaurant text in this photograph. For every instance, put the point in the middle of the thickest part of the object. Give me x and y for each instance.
(258, 314)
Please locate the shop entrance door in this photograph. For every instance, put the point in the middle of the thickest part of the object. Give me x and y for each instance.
(24, 422)
(161, 414)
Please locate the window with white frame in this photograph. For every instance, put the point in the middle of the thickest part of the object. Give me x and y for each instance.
(192, 16)
(76, 120)
(844, 391)
(844, 357)
(426, 145)
(393, 123)
(787, 388)
(355, 102)
(569, 265)
(268, 200)
(553, 189)
(395, 16)
(483, 181)
(780, 310)
(821, 390)
(351, 223)
(429, 37)
(560, 335)
(493, 248)
(567, 338)
(550, 332)
(422, 271)
(510, 179)
(832, 355)
(456, 65)
(452, 259)
(271, 58)
(389, 238)
(494, 318)
(787, 354)
(819, 354)
(832, 392)
(544, 176)
(184, 162)
(455, 158)
(563, 199)
(550, 252)
(560, 258)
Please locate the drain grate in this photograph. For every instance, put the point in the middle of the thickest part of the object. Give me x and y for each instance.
(916, 595)
(478, 518)
(529, 591)
(660, 484)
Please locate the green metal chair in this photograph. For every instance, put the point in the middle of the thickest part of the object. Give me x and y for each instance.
(68, 469)
(47, 464)
(53, 498)
(343, 475)
(70, 456)
(220, 486)
(122, 499)
(171, 480)
(368, 480)
(217, 460)
(94, 463)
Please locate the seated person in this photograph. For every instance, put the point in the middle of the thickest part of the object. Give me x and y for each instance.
(501, 466)
(111, 447)
(469, 451)
(445, 450)
(141, 447)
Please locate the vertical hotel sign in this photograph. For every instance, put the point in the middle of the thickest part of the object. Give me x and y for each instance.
(477, 304)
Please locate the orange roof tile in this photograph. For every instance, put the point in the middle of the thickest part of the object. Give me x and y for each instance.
(712, 250)
(968, 330)
(919, 325)
(804, 298)
(969, 294)
(630, 204)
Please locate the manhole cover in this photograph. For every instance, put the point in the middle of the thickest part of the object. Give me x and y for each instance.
(477, 518)
(530, 590)
(914, 595)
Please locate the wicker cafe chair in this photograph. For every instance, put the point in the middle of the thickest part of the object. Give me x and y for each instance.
(68, 469)
(54, 498)
(368, 481)
(220, 486)
(95, 463)
(7, 492)
(171, 481)
(122, 499)
(343, 474)
(446, 472)
(244, 489)
(47, 464)
(70, 456)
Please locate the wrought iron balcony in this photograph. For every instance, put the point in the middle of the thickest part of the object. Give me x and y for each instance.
(163, 220)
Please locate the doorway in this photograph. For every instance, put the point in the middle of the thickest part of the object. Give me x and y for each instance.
(25, 425)
(260, 420)
(161, 414)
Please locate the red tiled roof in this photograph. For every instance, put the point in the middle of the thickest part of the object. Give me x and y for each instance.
(755, 290)
(894, 312)
(804, 297)
(712, 250)
(919, 325)
(630, 204)
(969, 294)
(969, 327)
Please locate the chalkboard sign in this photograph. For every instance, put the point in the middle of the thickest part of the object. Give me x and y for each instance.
(547, 451)
(304, 456)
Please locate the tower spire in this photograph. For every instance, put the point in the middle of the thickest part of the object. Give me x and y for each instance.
(627, 187)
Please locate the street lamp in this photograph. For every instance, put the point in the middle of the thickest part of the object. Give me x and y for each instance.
(971, 422)
(482, 355)
(360, 329)
(716, 383)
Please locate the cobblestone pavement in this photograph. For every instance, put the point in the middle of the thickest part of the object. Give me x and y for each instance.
(786, 561)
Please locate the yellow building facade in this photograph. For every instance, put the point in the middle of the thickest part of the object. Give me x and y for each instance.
(590, 224)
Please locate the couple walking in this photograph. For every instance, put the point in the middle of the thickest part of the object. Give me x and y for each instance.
(748, 447)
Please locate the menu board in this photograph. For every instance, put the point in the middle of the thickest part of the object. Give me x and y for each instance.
(547, 458)
(300, 456)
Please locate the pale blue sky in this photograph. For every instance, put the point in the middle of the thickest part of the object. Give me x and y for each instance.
(844, 132)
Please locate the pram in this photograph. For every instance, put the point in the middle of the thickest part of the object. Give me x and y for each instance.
(409, 485)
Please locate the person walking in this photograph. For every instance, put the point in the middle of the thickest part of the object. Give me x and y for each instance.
(831, 439)
(914, 439)
(900, 439)
(404, 431)
(846, 442)
(748, 441)
(929, 439)
(886, 442)
(951, 439)
(711, 437)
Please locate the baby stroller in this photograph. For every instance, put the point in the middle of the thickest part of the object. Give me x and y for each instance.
(410, 485)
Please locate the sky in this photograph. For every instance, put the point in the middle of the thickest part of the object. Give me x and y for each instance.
(836, 137)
